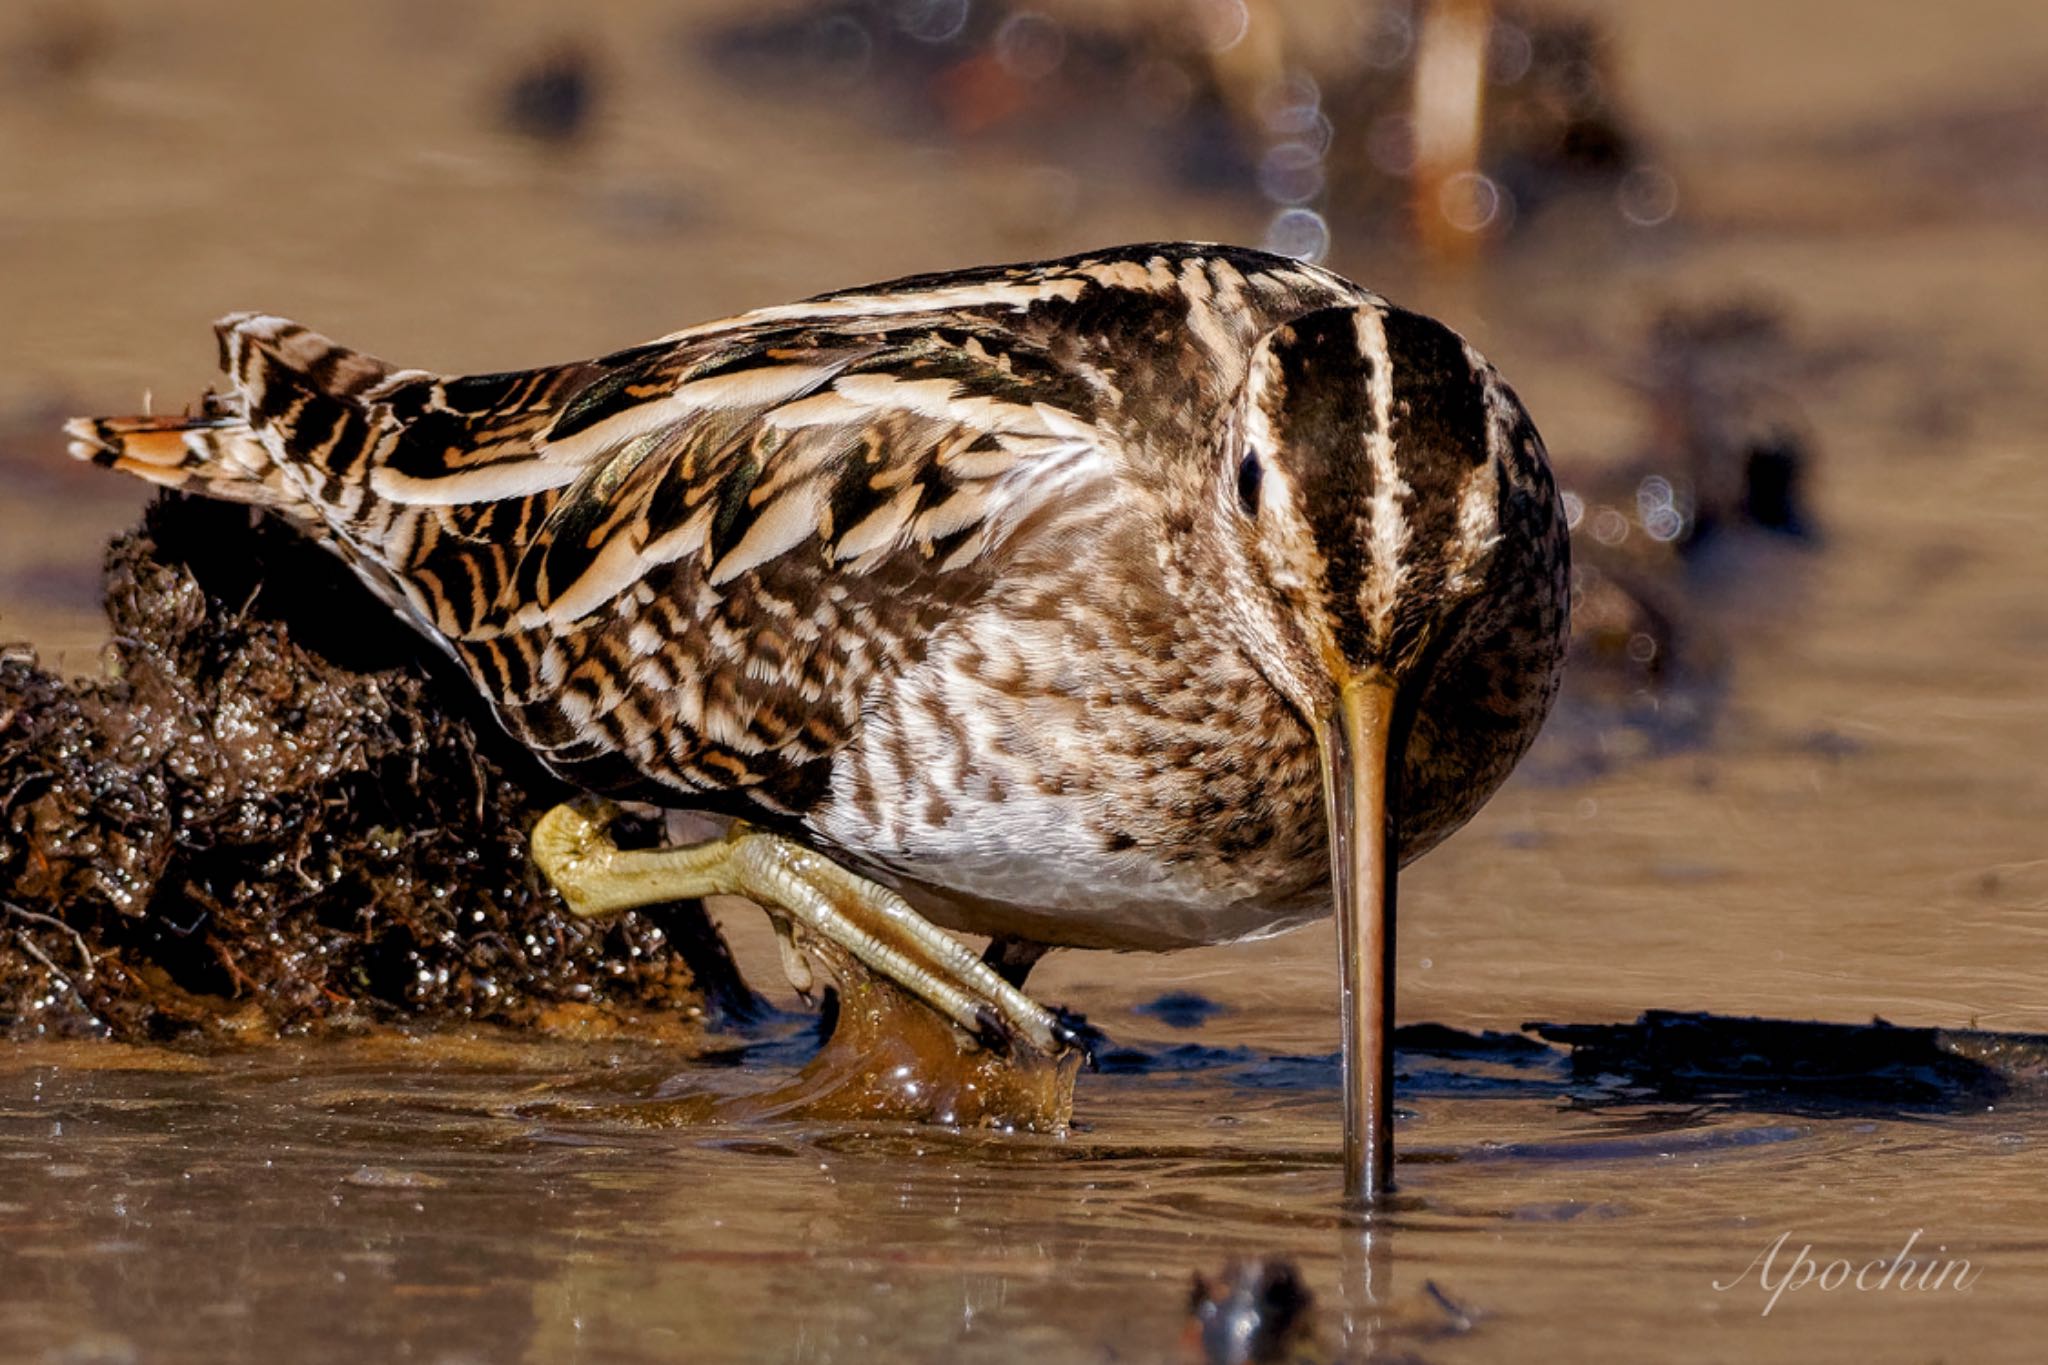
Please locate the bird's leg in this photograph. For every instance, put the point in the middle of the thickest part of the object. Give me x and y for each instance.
(809, 892)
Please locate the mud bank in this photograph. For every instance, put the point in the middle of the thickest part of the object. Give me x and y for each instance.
(270, 815)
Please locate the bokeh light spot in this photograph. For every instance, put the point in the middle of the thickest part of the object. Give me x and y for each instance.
(932, 21)
(1291, 173)
(1300, 233)
(1030, 45)
(1221, 24)
(1470, 201)
(1647, 196)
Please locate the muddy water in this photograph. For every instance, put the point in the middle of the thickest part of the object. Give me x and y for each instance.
(1862, 835)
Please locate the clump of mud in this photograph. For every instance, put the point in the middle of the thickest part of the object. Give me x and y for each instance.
(268, 817)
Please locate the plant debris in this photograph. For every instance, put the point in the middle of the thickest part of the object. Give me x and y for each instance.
(268, 817)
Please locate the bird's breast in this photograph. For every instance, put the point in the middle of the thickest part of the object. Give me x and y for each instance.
(1079, 767)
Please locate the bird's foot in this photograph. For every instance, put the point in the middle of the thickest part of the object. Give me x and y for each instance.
(811, 897)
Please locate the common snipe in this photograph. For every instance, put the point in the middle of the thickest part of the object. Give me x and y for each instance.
(1050, 602)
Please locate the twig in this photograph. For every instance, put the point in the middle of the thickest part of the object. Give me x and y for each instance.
(84, 952)
(35, 951)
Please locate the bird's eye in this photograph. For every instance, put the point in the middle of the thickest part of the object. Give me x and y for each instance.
(1249, 476)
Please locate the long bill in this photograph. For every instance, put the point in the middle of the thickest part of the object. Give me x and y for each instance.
(1356, 751)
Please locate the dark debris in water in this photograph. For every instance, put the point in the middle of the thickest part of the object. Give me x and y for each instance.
(1257, 1311)
(551, 99)
(267, 818)
(1780, 1065)
(1484, 1045)
(1182, 1058)
(1430, 1059)
(59, 44)
(1181, 1009)
(1663, 1058)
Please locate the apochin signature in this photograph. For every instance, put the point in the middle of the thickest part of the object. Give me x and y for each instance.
(1904, 1271)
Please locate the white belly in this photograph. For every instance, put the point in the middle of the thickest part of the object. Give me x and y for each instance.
(1031, 870)
(1003, 800)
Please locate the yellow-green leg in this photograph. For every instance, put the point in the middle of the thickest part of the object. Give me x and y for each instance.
(806, 893)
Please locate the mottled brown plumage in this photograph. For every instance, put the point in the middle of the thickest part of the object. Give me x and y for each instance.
(1027, 591)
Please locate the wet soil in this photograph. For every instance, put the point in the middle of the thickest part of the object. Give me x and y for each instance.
(270, 815)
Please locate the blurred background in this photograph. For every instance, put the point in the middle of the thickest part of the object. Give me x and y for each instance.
(1769, 276)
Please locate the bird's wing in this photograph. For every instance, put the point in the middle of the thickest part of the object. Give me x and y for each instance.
(685, 565)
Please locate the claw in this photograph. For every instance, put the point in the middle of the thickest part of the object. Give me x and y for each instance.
(796, 963)
(1071, 1029)
(992, 1033)
(569, 844)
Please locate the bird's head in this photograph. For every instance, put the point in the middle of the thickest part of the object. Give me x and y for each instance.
(1362, 485)
(1380, 489)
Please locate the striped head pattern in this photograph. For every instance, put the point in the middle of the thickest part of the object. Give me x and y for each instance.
(1364, 482)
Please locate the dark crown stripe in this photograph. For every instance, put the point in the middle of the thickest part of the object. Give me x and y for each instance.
(1439, 410)
(1324, 417)
(1442, 431)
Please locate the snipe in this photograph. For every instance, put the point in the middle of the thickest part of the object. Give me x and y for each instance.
(1131, 601)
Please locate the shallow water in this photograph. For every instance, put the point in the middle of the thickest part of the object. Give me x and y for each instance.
(1862, 835)
(421, 1201)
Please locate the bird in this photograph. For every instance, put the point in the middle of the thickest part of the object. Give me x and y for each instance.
(1162, 595)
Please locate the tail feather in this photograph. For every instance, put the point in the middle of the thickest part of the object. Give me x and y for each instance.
(300, 427)
(218, 452)
(293, 422)
(412, 479)
(262, 353)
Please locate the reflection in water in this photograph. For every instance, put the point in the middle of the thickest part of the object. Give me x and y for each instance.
(1365, 1265)
(389, 1197)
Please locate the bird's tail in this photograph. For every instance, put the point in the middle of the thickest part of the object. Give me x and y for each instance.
(214, 448)
(287, 384)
